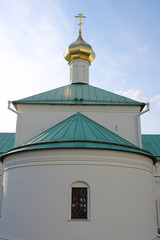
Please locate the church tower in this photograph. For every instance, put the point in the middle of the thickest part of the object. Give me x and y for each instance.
(79, 56)
(77, 170)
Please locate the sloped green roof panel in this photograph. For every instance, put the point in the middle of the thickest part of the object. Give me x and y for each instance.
(79, 131)
(6, 142)
(81, 94)
(151, 143)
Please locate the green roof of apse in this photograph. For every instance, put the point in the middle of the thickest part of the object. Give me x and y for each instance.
(79, 93)
(6, 142)
(79, 131)
(151, 143)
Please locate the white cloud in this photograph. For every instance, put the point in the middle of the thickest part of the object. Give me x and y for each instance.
(137, 95)
(151, 120)
(156, 100)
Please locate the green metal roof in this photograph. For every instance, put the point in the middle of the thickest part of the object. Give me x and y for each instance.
(6, 142)
(151, 143)
(79, 93)
(79, 131)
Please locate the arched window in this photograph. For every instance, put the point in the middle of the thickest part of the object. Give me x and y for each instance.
(79, 200)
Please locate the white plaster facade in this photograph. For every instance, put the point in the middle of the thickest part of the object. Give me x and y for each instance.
(157, 196)
(79, 71)
(34, 119)
(36, 195)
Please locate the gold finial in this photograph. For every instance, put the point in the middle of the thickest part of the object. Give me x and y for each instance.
(80, 16)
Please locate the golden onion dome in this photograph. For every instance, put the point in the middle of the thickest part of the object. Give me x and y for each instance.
(79, 49)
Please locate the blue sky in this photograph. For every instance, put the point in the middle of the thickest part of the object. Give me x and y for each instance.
(124, 34)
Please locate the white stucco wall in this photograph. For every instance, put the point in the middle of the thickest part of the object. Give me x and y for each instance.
(1, 169)
(157, 196)
(34, 119)
(1, 190)
(79, 71)
(36, 195)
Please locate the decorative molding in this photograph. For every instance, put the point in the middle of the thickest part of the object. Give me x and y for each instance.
(78, 157)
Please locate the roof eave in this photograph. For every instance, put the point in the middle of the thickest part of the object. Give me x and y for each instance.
(79, 145)
(15, 103)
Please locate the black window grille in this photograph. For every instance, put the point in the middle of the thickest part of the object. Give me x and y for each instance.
(79, 203)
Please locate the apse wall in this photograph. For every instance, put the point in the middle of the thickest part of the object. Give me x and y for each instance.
(36, 195)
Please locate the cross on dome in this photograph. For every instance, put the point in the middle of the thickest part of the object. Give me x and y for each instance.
(79, 49)
(80, 16)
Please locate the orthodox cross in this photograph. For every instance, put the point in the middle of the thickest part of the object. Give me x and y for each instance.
(80, 16)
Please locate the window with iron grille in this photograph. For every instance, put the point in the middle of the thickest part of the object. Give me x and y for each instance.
(79, 203)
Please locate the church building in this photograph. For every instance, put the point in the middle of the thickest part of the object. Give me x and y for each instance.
(78, 166)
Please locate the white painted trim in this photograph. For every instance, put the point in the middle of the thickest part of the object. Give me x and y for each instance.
(74, 108)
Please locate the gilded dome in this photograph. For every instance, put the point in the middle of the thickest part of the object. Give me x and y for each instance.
(79, 49)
